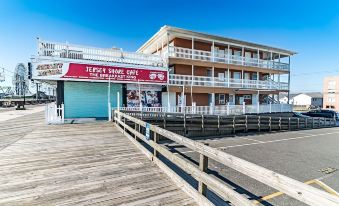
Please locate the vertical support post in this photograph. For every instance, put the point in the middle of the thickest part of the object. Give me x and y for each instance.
(270, 123)
(233, 124)
(203, 165)
(192, 48)
(135, 128)
(258, 80)
(258, 58)
(298, 123)
(279, 123)
(219, 124)
(243, 56)
(246, 123)
(258, 107)
(259, 124)
(228, 54)
(289, 80)
(62, 113)
(156, 140)
(289, 123)
(228, 77)
(306, 123)
(213, 51)
(242, 78)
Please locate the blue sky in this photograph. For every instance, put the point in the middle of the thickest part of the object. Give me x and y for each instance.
(310, 28)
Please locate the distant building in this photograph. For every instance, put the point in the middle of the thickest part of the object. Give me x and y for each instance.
(330, 89)
(311, 99)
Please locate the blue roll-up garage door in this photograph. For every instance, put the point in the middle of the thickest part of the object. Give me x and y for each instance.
(89, 99)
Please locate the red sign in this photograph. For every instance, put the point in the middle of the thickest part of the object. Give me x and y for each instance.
(114, 73)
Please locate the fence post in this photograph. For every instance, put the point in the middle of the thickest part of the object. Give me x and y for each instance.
(246, 125)
(109, 112)
(258, 107)
(289, 123)
(244, 108)
(156, 140)
(218, 124)
(62, 113)
(279, 123)
(203, 165)
(233, 124)
(298, 123)
(259, 122)
(306, 123)
(270, 123)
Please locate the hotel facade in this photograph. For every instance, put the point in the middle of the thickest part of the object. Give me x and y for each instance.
(213, 70)
(174, 68)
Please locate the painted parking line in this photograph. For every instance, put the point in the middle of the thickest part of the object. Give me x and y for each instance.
(314, 181)
(257, 142)
(279, 140)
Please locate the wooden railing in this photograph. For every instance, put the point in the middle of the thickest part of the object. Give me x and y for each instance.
(193, 125)
(289, 186)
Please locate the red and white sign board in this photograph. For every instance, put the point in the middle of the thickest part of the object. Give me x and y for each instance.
(90, 72)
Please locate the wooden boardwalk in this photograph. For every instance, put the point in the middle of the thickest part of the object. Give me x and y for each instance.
(84, 164)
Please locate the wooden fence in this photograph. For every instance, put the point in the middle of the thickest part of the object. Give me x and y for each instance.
(295, 189)
(193, 125)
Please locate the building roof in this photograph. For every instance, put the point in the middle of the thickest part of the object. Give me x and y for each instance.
(310, 94)
(163, 30)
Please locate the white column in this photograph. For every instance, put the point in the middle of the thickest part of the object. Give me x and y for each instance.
(228, 77)
(228, 54)
(192, 48)
(258, 58)
(213, 76)
(242, 78)
(213, 51)
(168, 36)
(258, 80)
(242, 55)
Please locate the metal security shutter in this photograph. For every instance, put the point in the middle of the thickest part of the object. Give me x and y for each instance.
(89, 99)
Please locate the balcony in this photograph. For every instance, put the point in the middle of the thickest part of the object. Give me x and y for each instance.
(185, 53)
(69, 51)
(188, 80)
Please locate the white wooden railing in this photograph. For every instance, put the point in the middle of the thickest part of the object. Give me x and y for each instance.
(220, 109)
(186, 53)
(71, 51)
(188, 80)
(140, 131)
(54, 114)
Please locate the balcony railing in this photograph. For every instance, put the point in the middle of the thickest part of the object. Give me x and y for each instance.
(219, 110)
(186, 53)
(188, 80)
(65, 50)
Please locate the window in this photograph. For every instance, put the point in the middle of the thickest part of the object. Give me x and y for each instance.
(331, 85)
(247, 97)
(236, 75)
(231, 98)
(221, 98)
